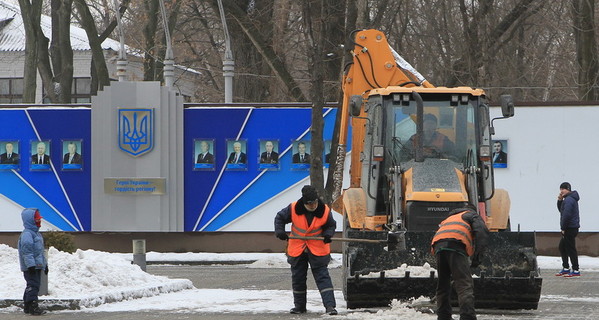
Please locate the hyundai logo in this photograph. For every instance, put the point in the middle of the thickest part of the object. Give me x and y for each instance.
(438, 209)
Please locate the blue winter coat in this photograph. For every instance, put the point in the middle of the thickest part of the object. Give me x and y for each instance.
(568, 209)
(31, 243)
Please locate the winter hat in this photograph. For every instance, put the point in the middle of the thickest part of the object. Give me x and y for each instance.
(431, 117)
(565, 185)
(309, 194)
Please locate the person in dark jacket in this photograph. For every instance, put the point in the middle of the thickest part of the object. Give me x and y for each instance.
(309, 217)
(32, 259)
(461, 235)
(567, 204)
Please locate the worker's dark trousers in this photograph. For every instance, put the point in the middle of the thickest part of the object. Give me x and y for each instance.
(299, 274)
(567, 248)
(33, 285)
(452, 265)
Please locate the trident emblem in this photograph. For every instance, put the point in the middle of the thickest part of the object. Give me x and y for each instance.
(136, 131)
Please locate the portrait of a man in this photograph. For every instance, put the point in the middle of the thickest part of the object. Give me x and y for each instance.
(270, 154)
(237, 158)
(301, 155)
(499, 154)
(40, 152)
(10, 155)
(71, 155)
(204, 154)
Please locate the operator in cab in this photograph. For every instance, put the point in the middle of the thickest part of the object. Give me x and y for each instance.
(434, 143)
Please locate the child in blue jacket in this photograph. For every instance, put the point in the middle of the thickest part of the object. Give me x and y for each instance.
(32, 259)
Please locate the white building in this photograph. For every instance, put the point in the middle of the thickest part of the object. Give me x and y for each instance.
(12, 54)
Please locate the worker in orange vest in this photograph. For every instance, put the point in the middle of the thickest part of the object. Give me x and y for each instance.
(461, 235)
(309, 217)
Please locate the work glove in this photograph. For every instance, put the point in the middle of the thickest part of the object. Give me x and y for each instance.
(282, 235)
(327, 239)
(31, 270)
(46, 270)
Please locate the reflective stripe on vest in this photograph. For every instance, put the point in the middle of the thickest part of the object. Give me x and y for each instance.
(300, 227)
(454, 227)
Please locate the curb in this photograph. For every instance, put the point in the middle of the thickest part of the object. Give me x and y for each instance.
(94, 301)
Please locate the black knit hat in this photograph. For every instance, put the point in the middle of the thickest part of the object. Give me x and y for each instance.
(309, 194)
(565, 185)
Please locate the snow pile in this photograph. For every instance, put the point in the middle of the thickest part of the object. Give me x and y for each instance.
(423, 271)
(398, 311)
(93, 277)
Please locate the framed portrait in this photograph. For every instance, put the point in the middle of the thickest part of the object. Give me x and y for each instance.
(237, 154)
(268, 157)
(40, 155)
(327, 153)
(72, 160)
(300, 159)
(500, 153)
(203, 154)
(9, 155)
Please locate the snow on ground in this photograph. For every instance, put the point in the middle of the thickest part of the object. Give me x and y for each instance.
(92, 276)
(89, 274)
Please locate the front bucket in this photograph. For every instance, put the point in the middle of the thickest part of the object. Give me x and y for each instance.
(508, 277)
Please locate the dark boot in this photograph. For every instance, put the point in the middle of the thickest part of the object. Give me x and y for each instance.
(331, 310)
(35, 310)
(27, 307)
(298, 310)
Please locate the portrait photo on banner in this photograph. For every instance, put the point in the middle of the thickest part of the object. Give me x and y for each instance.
(268, 154)
(40, 155)
(203, 154)
(71, 155)
(300, 160)
(9, 155)
(237, 154)
(500, 153)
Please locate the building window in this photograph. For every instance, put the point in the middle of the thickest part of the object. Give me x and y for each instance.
(80, 91)
(11, 90)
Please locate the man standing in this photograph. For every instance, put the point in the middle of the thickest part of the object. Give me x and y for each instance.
(567, 204)
(461, 235)
(32, 259)
(309, 217)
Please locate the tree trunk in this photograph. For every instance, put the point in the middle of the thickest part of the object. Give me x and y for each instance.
(586, 49)
(315, 15)
(149, 32)
(66, 51)
(31, 13)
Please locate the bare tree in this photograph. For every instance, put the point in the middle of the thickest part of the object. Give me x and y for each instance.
(31, 12)
(583, 13)
(98, 70)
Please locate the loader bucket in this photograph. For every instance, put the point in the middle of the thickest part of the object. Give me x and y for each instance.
(508, 277)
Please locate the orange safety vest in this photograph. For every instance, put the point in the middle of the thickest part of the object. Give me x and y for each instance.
(454, 227)
(300, 227)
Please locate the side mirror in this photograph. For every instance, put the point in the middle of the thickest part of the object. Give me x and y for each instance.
(507, 105)
(355, 105)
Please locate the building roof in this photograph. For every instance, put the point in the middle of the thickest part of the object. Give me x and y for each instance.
(12, 32)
